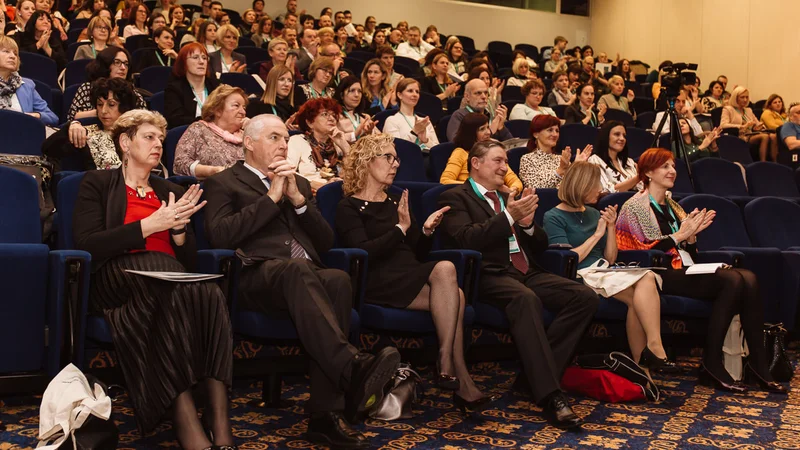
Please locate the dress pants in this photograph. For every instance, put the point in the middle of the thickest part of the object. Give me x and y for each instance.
(319, 302)
(545, 354)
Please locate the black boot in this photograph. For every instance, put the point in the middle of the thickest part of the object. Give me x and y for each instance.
(330, 429)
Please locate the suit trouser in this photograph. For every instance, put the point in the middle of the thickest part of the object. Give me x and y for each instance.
(545, 354)
(319, 302)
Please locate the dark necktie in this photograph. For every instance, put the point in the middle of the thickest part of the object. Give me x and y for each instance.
(297, 249)
(517, 258)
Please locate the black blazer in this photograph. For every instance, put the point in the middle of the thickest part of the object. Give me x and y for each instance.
(215, 60)
(573, 114)
(97, 221)
(239, 215)
(471, 224)
(150, 59)
(27, 43)
(180, 105)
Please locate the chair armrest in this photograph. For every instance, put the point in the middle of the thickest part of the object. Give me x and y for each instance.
(560, 262)
(68, 304)
(219, 261)
(733, 258)
(793, 249)
(645, 258)
(468, 268)
(354, 262)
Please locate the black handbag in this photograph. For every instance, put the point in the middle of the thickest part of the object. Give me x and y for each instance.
(622, 365)
(780, 367)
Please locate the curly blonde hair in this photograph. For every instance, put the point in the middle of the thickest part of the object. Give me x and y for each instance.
(361, 153)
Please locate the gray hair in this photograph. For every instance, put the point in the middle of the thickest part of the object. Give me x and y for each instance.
(255, 126)
(480, 149)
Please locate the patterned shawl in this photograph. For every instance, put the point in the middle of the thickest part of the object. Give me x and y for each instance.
(637, 226)
(320, 151)
(8, 88)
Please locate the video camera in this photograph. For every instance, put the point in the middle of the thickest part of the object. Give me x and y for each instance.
(674, 78)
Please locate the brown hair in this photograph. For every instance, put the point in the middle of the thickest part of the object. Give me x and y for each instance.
(216, 101)
(581, 177)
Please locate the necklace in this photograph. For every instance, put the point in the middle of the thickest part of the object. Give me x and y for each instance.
(579, 215)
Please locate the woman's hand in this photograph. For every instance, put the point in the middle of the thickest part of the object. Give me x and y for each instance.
(631, 95)
(602, 226)
(609, 215)
(451, 90)
(187, 205)
(434, 220)
(170, 53)
(77, 135)
(290, 125)
(601, 111)
(585, 154)
(43, 40)
(237, 67)
(172, 214)
(389, 98)
(705, 221)
(498, 85)
(689, 225)
(711, 138)
(365, 127)
(565, 161)
(421, 125)
(404, 217)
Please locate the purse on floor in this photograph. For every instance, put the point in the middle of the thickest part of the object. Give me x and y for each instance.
(780, 367)
(627, 371)
(399, 395)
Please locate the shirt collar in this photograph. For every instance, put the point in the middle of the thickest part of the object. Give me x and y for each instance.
(258, 173)
(481, 189)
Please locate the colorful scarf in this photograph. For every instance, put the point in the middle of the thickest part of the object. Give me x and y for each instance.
(8, 88)
(227, 136)
(320, 151)
(637, 226)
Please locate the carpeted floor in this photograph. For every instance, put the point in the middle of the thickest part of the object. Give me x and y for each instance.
(690, 416)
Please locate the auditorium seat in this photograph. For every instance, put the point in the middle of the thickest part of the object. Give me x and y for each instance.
(244, 81)
(253, 55)
(644, 120)
(515, 157)
(157, 102)
(733, 149)
(412, 165)
(576, 136)
(513, 93)
(771, 179)
(75, 73)
(39, 68)
(354, 65)
(439, 155)
(154, 79)
(380, 118)
(441, 128)
(170, 144)
(519, 128)
(717, 176)
(619, 115)
(22, 134)
(639, 140)
(429, 106)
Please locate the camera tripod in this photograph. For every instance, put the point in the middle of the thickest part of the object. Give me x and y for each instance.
(675, 137)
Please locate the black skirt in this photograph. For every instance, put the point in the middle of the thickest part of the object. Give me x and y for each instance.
(168, 336)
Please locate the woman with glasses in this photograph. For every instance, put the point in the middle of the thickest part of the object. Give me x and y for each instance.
(137, 21)
(319, 151)
(189, 86)
(533, 92)
(369, 28)
(407, 125)
(113, 62)
(99, 31)
(321, 73)
(592, 236)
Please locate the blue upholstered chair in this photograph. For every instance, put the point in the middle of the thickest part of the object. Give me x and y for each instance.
(439, 155)
(771, 179)
(22, 134)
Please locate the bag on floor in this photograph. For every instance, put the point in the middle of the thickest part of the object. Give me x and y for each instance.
(780, 367)
(630, 382)
(76, 414)
(600, 384)
(734, 348)
(400, 394)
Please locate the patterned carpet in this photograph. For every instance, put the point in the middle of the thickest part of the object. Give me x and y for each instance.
(690, 416)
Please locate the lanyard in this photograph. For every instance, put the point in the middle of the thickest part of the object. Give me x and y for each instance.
(442, 87)
(673, 225)
(418, 142)
(478, 193)
(491, 115)
(744, 116)
(94, 52)
(314, 93)
(197, 97)
(169, 60)
(273, 109)
(225, 67)
(593, 120)
(355, 121)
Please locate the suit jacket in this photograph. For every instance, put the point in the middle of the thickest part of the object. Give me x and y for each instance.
(30, 101)
(239, 215)
(303, 61)
(180, 105)
(215, 60)
(150, 59)
(97, 222)
(471, 224)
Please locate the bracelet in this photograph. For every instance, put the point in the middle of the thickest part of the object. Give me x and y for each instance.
(175, 232)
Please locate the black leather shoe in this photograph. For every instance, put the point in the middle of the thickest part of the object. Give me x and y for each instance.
(707, 378)
(649, 360)
(752, 377)
(558, 412)
(330, 429)
(368, 378)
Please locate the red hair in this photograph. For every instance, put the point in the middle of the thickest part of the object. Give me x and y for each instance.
(179, 69)
(312, 108)
(539, 124)
(652, 159)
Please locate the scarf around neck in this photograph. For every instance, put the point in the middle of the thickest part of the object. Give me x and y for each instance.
(227, 136)
(320, 151)
(8, 88)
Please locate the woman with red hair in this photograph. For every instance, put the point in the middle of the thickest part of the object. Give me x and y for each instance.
(318, 152)
(541, 167)
(189, 86)
(652, 220)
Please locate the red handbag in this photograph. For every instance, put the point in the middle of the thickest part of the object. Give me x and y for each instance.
(601, 384)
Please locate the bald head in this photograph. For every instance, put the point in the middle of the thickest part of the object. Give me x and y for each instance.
(476, 94)
(265, 141)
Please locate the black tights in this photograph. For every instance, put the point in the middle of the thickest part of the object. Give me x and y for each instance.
(733, 291)
(188, 428)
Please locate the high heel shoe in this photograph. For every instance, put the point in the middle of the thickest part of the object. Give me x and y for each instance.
(445, 381)
(707, 378)
(649, 360)
(751, 376)
(478, 405)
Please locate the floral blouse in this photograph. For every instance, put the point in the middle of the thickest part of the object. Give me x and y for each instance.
(537, 170)
(610, 177)
(101, 146)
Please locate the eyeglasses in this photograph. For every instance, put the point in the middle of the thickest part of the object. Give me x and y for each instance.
(329, 115)
(390, 158)
(199, 58)
(103, 28)
(631, 265)
(119, 62)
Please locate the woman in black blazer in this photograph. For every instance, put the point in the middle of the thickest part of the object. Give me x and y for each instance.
(583, 109)
(39, 37)
(163, 55)
(225, 59)
(169, 336)
(189, 86)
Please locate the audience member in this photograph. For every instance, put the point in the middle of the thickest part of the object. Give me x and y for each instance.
(164, 54)
(278, 98)
(169, 336)
(307, 22)
(213, 143)
(618, 171)
(439, 82)
(476, 95)
(359, 43)
(38, 38)
(17, 93)
(320, 72)
(24, 12)
(386, 55)
(319, 151)
(394, 38)
(584, 110)
(415, 48)
(561, 93)
(216, 13)
(592, 236)
(326, 36)
(790, 131)
(99, 31)
(308, 49)
(713, 97)
(341, 38)
(624, 70)
(382, 224)
(249, 24)
(455, 53)
(113, 62)
(88, 7)
(207, 35)
(375, 86)
(556, 62)
(696, 146)
(737, 115)
(541, 167)
(290, 36)
(188, 88)
(378, 41)
(533, 92)
(91, 146)
(474, 128)
(774, 114)
(155, 21)
(258, 7)
(137, 21)
(483, 72)
(162, 7)
(369, 28)
(683, 111)
(354, 123)
(522, 73)
(291, 8)
(615, 98)
(652, 220)
(511, 280)
(263, 34)
(279, 56)
(325, 21)
(405, 124)
(225, 60)
(432, 37)
(177, 18)
(333, 52)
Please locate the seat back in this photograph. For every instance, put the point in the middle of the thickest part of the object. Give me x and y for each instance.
(244, 81)
(328, 198)
(772, 222)
(439, 155)
(65, 205)
(519, 128)
(643, 105)
(727, 230)
(683, 184)
(253, 54)
(644, 120)
(467, 42)
(576, 136)
(441, 128)
(157, 102)
(135, 43)
(72, 49)
(154, 79)
(530, 51)
(639, 140)
(515, 158)
(22, 134)
(499, 46)
(560, 110)
(412, 166)
(513, 93)
(380, 118)
(46, 92)
(75, 73)
(733, 149)
(716, 116)
(67, 98)
(771, 179)
(19, 221)
(548, 199)
(362, 56)
(620, 115)
(38, 67)
(408, 63)
(718, 177)
(614, 199)
(429, 106)
(354, 65)
(245, 42)
(170, 144)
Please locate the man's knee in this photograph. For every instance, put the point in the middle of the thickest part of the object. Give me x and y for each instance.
(526, 302)
(587, 299)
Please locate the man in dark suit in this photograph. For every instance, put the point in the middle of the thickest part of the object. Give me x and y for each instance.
(261, 208)
(484, 218)
(308, 49)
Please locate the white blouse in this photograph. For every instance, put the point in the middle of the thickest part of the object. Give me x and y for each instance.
(521, 111)
(400, 126)
(610, 177)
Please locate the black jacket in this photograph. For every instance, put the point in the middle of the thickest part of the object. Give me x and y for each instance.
(180, 105)
(150, 59)
(215, 60)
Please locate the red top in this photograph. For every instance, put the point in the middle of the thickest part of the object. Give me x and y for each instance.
(138, 209)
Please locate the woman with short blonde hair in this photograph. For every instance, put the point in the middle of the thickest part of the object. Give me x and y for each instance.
(522, 72)
(98, 31)
(738, 115)
(225, 60)
(17, 93)
(615, 99)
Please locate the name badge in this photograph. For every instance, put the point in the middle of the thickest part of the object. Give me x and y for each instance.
(513, 246)
(686, 258)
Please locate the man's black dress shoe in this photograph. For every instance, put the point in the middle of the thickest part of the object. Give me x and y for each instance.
(368, 377)
(330, 429)
(558, 412)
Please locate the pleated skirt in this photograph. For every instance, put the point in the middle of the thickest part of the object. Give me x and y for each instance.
(167, 336)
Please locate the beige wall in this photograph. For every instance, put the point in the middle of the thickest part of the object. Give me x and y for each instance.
(747, 40)
(483, 23)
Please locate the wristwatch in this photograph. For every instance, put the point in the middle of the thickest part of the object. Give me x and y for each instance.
(175, 232)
